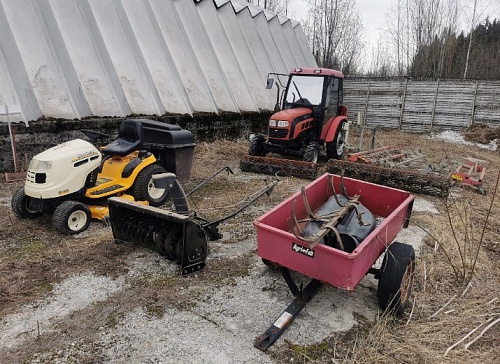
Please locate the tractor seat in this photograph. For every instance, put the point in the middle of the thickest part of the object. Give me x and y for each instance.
(129, 139)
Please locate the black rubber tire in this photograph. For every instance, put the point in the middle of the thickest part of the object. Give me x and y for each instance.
(396, 278)
(20, 205)
(256, 147)
(311, 152)
(71, 217)
(335, 148)
(143, 188)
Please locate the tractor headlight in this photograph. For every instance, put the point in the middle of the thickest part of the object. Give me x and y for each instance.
(40, 166)
(272, 123)
(282, 123)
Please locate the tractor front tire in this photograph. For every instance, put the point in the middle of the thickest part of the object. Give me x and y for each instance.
(396, 278)
(256, 147)
(143, 188)
(311, 152)
(71, 217)
(335, 148)
(20, 205)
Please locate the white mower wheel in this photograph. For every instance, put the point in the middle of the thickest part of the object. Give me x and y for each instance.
(20, 206)
(71, 217)
(144, 189)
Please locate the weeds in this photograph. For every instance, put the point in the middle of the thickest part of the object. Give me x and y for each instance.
(466, 238)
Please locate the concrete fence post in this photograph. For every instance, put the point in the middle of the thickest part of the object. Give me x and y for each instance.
(473, 107)
(434, 103)
(402, 105)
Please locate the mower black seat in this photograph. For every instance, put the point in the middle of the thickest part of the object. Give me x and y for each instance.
(129, 139)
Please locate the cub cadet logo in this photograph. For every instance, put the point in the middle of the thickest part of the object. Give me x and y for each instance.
(456, 177)
(84, 155)
(303, 250)
(63, 192)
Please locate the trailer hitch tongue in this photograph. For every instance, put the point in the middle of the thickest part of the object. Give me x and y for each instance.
(265, 340)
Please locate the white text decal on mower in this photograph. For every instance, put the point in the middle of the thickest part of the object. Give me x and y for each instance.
(303, 250)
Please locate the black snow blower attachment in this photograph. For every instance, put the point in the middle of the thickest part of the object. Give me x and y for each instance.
(180, 236)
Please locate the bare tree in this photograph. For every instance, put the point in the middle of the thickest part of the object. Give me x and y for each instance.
(413, 26)
(276, 6)
(472, 24)
(335, 30)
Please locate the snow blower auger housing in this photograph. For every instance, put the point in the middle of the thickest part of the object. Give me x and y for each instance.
(73, 180)
(180, 236)
(309, 117)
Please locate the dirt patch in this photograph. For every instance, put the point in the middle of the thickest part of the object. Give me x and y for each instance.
(481, 133)
(142, 310)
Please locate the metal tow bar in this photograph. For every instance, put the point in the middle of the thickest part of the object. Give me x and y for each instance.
(265, 340)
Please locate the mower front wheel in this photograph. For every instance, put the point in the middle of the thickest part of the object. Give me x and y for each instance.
(144, 189)
(71, 217)
(20, 204)
(396, 278)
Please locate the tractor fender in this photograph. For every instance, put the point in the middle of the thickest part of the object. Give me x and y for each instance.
(330, 128)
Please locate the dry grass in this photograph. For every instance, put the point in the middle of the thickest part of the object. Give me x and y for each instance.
(445, 307)
(33, 258)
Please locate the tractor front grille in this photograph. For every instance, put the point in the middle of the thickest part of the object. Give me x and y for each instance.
(278, 133)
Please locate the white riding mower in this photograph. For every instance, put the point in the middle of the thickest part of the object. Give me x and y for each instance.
(74, 180)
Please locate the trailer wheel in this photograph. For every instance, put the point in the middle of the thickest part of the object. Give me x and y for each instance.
(71, 217)
(256, 147)
(335, 149)
(20, 205)
(396, 278)
(143, 188)
(311, 153)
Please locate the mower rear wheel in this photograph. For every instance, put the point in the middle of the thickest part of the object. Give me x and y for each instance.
(335, 149)
(396, 278)
(143, 188)
(20, 205)
(71, 217)
(257, 146)
(311, 153)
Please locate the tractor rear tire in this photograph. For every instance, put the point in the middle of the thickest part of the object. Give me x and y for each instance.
(396, 278)
(143, 188)
(21, 207)
(71, 217)
(335, 148)
(257, 146)
(311, 152)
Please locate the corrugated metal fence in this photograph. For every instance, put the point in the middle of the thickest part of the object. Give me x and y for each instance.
(412, 105)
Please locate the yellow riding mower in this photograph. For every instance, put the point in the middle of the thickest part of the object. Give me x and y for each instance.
(74, 180)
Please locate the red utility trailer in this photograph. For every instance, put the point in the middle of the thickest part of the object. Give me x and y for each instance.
(281, 243)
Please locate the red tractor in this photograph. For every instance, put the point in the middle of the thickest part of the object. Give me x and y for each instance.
(309, 116)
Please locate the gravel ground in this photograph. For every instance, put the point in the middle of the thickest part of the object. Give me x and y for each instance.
(118, 304)
(219, 328)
